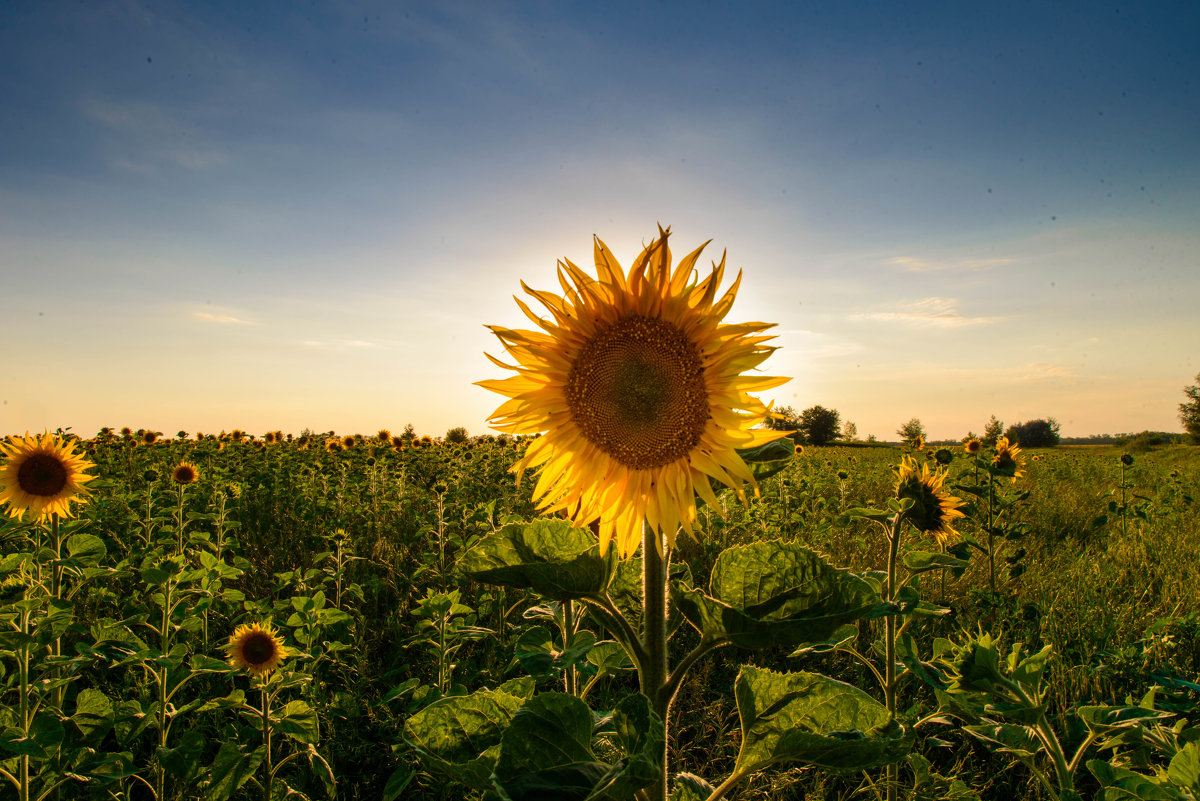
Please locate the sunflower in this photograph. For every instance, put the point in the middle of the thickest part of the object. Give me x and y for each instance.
(42, 475)
(934, 510)
(383, 435)
(973, 446)
(256, 648)
(184, 474)
(640, 392)
(1005, 462)
(270, 438)
(348, 441)
(149, 437)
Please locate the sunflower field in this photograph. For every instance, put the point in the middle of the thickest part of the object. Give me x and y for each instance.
(265, 617)
(679, 604)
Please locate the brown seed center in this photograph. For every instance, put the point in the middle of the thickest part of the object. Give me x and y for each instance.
(42, 474)
(258, 648)
(636, 391)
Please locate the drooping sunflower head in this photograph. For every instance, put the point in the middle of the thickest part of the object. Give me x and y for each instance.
(1007, 460)
(42, 475)
(933, 510)
(256, 649)
(972, 446)
(640, 391)
(185, 473)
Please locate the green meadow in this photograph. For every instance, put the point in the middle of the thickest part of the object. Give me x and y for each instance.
(369, 562)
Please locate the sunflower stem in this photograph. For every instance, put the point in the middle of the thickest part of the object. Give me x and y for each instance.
(655, 563)
(889, 688)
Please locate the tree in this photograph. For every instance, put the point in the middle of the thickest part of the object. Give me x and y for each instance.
(849, 431)
(992, 431)
(1034, 433)
(1189, 412)
(820, 425)
(910, 431)
(458, 434)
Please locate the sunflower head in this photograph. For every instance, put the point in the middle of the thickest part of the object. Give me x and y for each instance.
(269, 438)
(640, 391)
(398, 443)
(42, 475)
(149, 437)
(185, 473)
(933, 510)
(256, 649)
(1007, 459)
(348, 441)
(1126, 459)
(383, 435)
(972, 446)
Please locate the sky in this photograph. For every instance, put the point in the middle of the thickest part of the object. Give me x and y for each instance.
(296, 215)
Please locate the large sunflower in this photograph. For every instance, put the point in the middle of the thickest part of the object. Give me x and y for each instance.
(1007, 460)
(256, 648)
(42, 475)
(934, 510)
(640, 392)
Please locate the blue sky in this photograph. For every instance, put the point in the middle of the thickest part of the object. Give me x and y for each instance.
(286, 215)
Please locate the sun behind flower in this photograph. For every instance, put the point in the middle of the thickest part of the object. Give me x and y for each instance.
(934, 510)
(42, 475)
(640, 391)
(255, 648)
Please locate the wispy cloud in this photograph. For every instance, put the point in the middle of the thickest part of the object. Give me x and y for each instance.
(340, 344)
(933, 312)
(913, 264)
(222, 319)
(153, 137)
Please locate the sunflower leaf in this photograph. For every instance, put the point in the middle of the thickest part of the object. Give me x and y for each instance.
(549, 556)
(771, 593)
(460, 735)
(814, 720)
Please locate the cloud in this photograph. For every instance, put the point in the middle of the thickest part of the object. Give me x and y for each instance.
(152, 137)
(930, 312)
(916, 265)
(223, 319)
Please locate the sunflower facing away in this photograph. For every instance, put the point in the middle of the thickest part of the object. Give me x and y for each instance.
(42, 475)
(256, 648)
(640, 391)
(934, 510)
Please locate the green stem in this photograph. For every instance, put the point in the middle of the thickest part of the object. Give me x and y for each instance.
(889, 689)
(266, 723)
(654, 670)
(570, 678)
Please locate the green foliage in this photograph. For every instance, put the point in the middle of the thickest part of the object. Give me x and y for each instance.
(992, 431)
(1189, 410)
(457, 436)
(911, 432)
(1041, 433)
(820, 425)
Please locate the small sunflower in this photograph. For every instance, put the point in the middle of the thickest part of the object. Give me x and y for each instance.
(383, 435)
(185, 473)
(149, 437)
(348, 441)
(934, 510)
(919, 443)
(256, 648)
(42, 475)
(641, 391)
(270, 438)
(1006, 462)
(973, 446)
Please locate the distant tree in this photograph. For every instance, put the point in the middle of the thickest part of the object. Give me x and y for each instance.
(849, 431)
(409, 434)
(457, 434)
(820, 425)
(1189, 412)
(992, 431)
(1034, 433)
(911, 431)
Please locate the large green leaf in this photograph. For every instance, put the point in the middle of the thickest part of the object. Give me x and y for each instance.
(547, 751)
(460, 735)
(93, 714)
(299, 721)
(1122, 783)
(767, 460)
(814, 720)
(549, 556)
(234, 764)
(773, 593)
